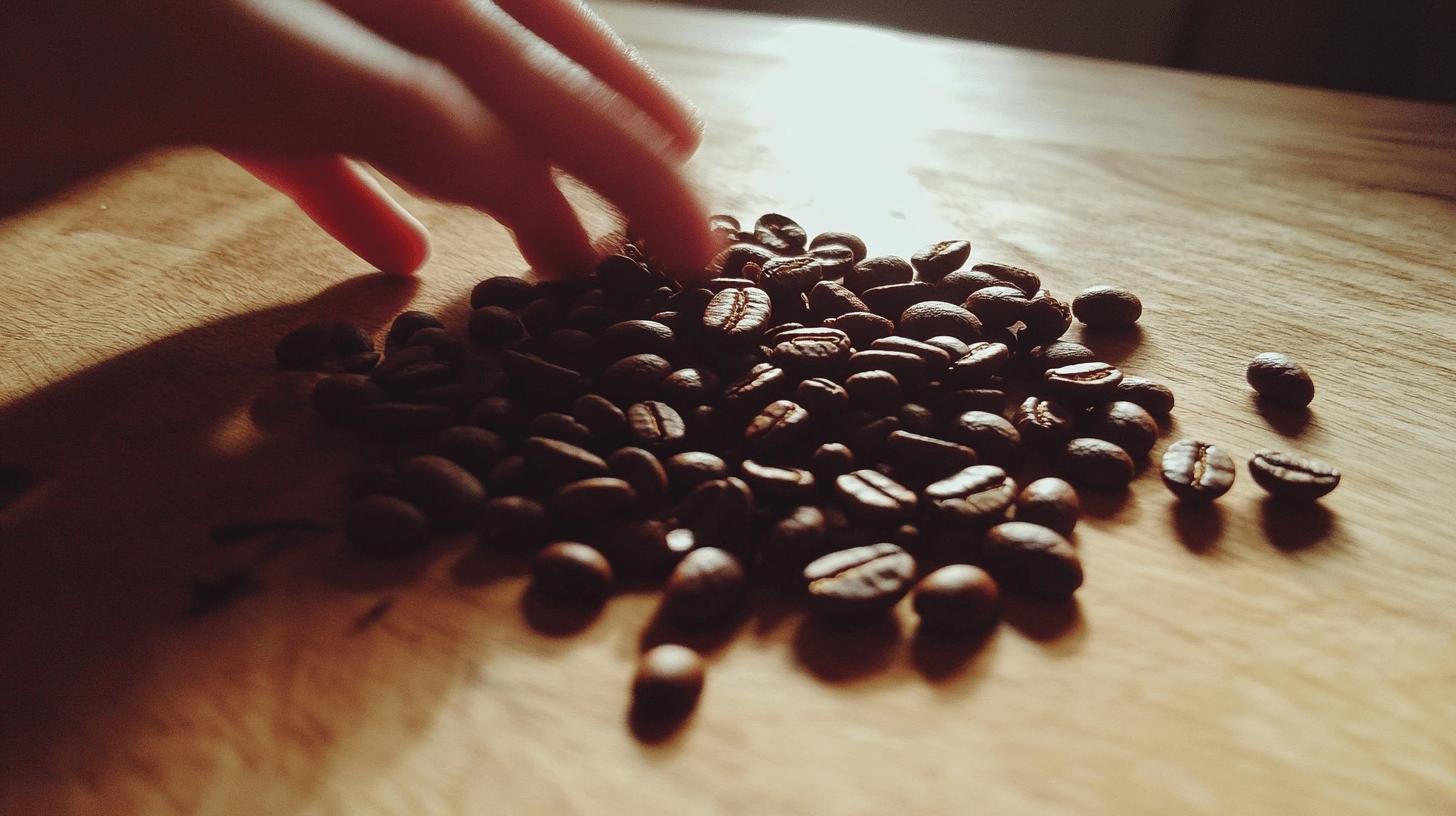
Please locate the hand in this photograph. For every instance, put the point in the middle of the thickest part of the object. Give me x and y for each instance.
(468, 101)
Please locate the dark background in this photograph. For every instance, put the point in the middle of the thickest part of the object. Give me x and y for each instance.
(1397, 47)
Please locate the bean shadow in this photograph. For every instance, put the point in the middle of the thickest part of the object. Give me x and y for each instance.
(1197, 526)
(555, 618)
(941, 658)
(1113, 345)
(846, 652)
(1288, 422)
(1292, 526)
(1049, 623)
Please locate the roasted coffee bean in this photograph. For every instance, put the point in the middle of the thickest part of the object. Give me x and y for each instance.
(514, 523)
(830, 461)
(940, 259)
(502, 290)
(706, 588)
(447, 493)
(1044, 319)
(862, 327)
(982, 361)
(1280, 380)
(634, 378)
(1044, 423)
(571, 347)
(874, 498)
(572, 572)
(1107, 307)
(688, 387)
(935, 318)
(859, 582)
(1097, 463)
(891, 301)
(822, 397)
(656, 426)
(881, 270)
(386, 527)
(407, 380)
(543, 316)
(401, 360)
(774, 484)
(716, 285)
(668, 683)
(869, 438)
(314, 346)
(995, 439)
(936, 357)
(874, 391)
(1032, 559)
(503, 415)
(444, 346)
(958, 285)
(829, 299)
(475, 449)
(926, 455)
(686, 471)
(795, 540)
(643, 471)
(810, 351)
(844, 239)
(918, 419)
(361, 363)
(1125, 424)
(495, 326)
(1154, 397)
(976, 496)
(645, 549)
(780, 233)
(509, 477)
(1082, 383)
(539, 381)
(957, 599)
(909, 369)
(621, 275)
(602, 419)
(834, 260)
(1292, 476)
(1050, 502)
(747, 395)
(997, 306)
(1059, 353)
(1023, 279)
(555, 462)
(723, 226)
(780, 426)
(690, 302)
(719, 512)
(738, 316)
(338, 397)
(796, 275)
(407, 323)
(556, 425)
(959, 401)
(400, 421)
(589, 503)
(1197, 471)
(591, 319)
(631, 337)
(730, 262)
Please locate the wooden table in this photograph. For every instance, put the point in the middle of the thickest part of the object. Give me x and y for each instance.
(1245, 660)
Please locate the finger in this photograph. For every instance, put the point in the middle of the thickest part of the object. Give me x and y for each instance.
(578, 33)
(347, 202)
(571, 117)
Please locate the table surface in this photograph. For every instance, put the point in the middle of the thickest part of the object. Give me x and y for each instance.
(1250, 659)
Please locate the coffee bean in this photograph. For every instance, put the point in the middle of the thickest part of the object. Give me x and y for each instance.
(859, 582)
(543, 316)
(509, 477)
(634, 378)
(957, 599)
(513, 523)
(503, 415)
(1154, 397)
(555, 462)
(810, 351)
(995, 440)
(1032, 559)
(475, 449)
(730, 262)
(1059, 353)
(444, 346)
(688, 387)
(719, 512)
(656, 426)
(706, 588)
(829, 299)
(1025, 280)
(447, 493)
(1044, 423)
(644, 549)
(386, 527)
(873, 391)
(834, 260)
(1050, 502)
(668, 683)
(976, 496)
(404, 381)
(502, 290)
(881, 270)
(400, 421)
(870, 434)
(775, 484)
(989, 400)
(830, 461)
(633, 337)
(624, 276)
(844, 239)
(556, 425)
(716, 285)
(589, 503)
(891, 301)
(796, 275)
(314, 346)
(909, 369)
(747, 395)
(591, 319)
(571, 347)
(542, 382)
(597, 415)
(738, 316)
(1044, 319)
(874, 498)
(936, 358)
(407, 323)
(822, 397)
(862, 327)
(795, 540)
(934, 318)
(643, 471)
(1082, 383)
(981, 362)
(1292, 476)
(1126, 425)
(926, 455)
(1097, 463)
(958, 285)
(1197, 471)
(940, 259)
(690, 302)
(723, 226)
(918, 419)
(495, 326)
(686, 471)
(338, 397)
(997, 306)
(1107, 307)
(780, 233)
(780, 426)
(572, 572)
(1280, 380)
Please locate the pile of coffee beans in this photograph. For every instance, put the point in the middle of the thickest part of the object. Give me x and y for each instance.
(843, 428)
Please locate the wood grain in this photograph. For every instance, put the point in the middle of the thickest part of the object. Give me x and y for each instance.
(1243, 660)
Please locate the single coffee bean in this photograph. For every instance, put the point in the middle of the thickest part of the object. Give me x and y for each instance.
(1097, 463)
(603, 420)
(977, 496)
(997, 306)
(795, 275)
(822, 397)
(719, 512)
(514, 523)
(510, 476)
(1023, 279)
(869, 437)
(444, 346)
(918, 419)
(1032, 559)
(1044, 319)
(313, 346)
(539, 381)
(982, 361)
(644, 549)
(862, 327)
(686, 471)
(859, 582)
(1059, 353)
(643, 471)
(1050, 502)
(543, 316)
(475, 449)
(844, 239)
(407, 323)
(829, 299)
(881, 270)
(690, 302)
(995, 440)
(909, 369)
(936, 357)
(940, 259)
(926, 455)
(404, 381)
(502, 290)
(891, 301)
(874, 498)
(730, 262)
(957, 599)
(990, 400)
(1280, 380)
(400, 421)
(589, 503)
(571, 347)
(1126, 425)
(1107, 307)
(447, 493)
(687, 387)
(631, 337)
(780, 233)
(621, 275)
(830, 461)
(495, 326)
(958, 285)
(656, 426)
(1292, 476)
(556, 425)
(795, 540)
(747, 395)
(635, 378)
(1154, 397)
(338, 397)
(1082, 383)
(723, 226)
(555, 462)
(780, 426)
(778, 485)
(834, 260)
(706, 588)
(738, 316)
(1044, 423)
(668, 683)
(934, 318)
(503, 415)
(572, 572)
(386, 527)
(810, 351)
(874, 391)
(1197, 471)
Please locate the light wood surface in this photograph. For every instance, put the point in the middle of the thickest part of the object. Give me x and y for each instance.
(1249, 660)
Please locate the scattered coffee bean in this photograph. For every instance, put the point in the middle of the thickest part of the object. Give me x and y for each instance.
(1097, 463)
(927, 455)
(1280, 380)
(503, 415)
(958, 285)
(1050, 502)
(589, 503)
(859, 582)
(410, 322)
(1107, 307)
(502, 290)
(1044, 319)
(1197, 471)
(572, 572)
(844, 239)
(602, 419)
(688, 387)
(795, 540)
(669, 681)
(917, 418)
(891, 301)
(834, 260)
(981, 362)
(730, 261)
(738, 316)
(686, 471)
(719, 512)
(444, 346)
(829, 299)
(656, 426)
(1059, 353)
(994, 438)
(830, 461)
(790, 276)
(935, 318)
(936, 357)
(1032, 559)
(634, 378)
(542, 382)
(780, 425)
(631, 337)
(706, 588)
(810, 352)
(1043, 423)
(874, 498)
(977, 496)
(555, 462)
(513, 523)
(874, 391)
(822, 397)
(780, 233)
(643, 471)
(556, 425)
(386, 527)
(957, 599)
(1023, 279)
(624, 276)
(997, 306)
(1082, 383)
(778, 484)
(1126, 425)
(959, 401)
(1154, 397)
(495, 326)
(862, 327)
(881, 270)
(940, 259)
(1292, 476)
(449, 494)
(475, 449)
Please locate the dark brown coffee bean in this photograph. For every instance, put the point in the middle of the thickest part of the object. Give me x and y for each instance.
(957, 286)
(404, 381)
(891, 301)
(874, 498)
(403, 359)
(1044, 319)
(795, 540)
(918, 419)
(881, 270)
(539, 381)
(1107, 307)
(829, 299)
(572, 572)
(1082, 383)
(632, 379)
(543, 316)
(1032, 559)
(926, 455)
(475, 449)
(589, 503)
(495, 326)
(598, 416)
(444, 346)
(738, 316)
(503, 415)
(1154, 397)
(747, 395)
(834, 260)
(399, 421)
(1050, 502)
(934, 318)
(859, 582)
(940, 259)
(407, 323)
(656, 426)
(1059, 353)
(869, 437)
(509, 477)
(1097, 463)
(1292, 476)
(862, 327)
(706, 588)
(1044, 423)
(591, 319)
(957, 599)
(796, 275)
(502, 290)
(686, 471)
(981, 362)
(621, 275)
(1197, 471)
(844, 239)
(643, 471)
(690, 302)
(642, 549)
(822, 398)
(314, 346)
(977, 496)
(810, 351)
(338, 397)
(688, 387)
(668, 683)
(780, 233)
(723, 226)
(514, 523)
(719, 512)
(997, 306)
(447, 493)
(729, 263)
(571, 347)
(780, 426)
(989, 400)
(995, 440)
(909, 369)
(874, 391)
(632, 337)
(556, 425)
(555, 462)
(1126, 425)
(830, 461)
(386, 527)
(777, 485)
(1023, 279)
(1280, 380)
(936, 357)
